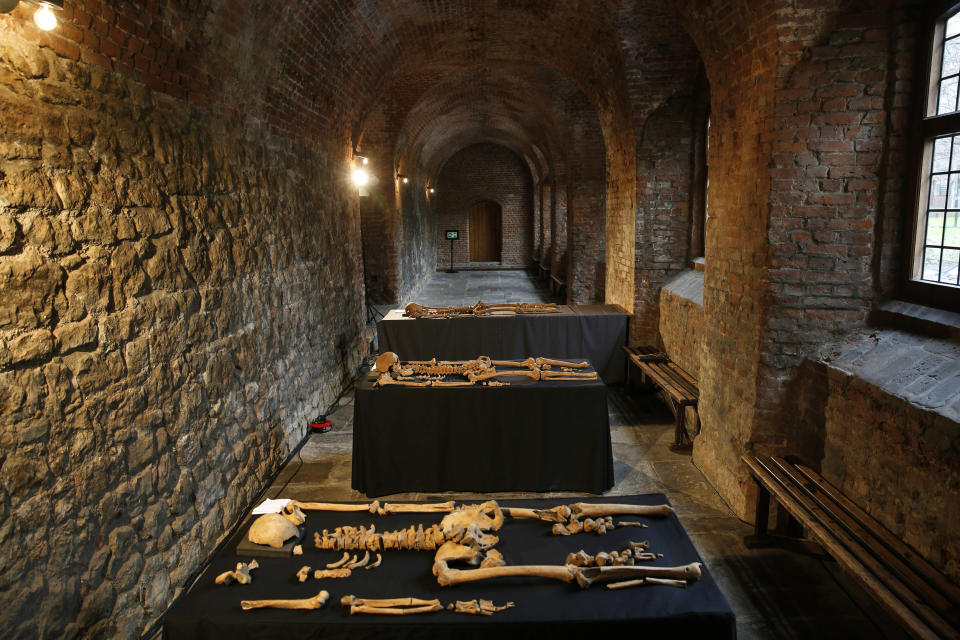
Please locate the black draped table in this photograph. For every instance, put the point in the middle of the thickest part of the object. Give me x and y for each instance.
(527, 436)
(544, 608)
(589, 332)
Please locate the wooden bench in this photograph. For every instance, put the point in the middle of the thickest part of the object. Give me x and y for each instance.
(558, 284)
(679, 385)
(906, 586)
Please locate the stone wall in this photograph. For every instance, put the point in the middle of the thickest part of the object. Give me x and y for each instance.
(485, 172)
(177, 300)
(882, 409)
(681, 320)
(419, 244)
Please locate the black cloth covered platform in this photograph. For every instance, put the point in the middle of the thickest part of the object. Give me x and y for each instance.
(588, 332)
(528, 436)
(544, 608)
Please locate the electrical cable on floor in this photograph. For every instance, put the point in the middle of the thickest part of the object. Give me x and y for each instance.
(156, 628)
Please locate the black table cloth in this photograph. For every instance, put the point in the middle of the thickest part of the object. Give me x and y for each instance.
(544, 608)
(588, 332)
(528, 436)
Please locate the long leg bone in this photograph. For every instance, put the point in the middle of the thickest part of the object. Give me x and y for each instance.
(315, 602)
(385, 380)
(390, 606)
(593, 510)
(437, 507)
(584, 576)
(561, 363)
(646, 582)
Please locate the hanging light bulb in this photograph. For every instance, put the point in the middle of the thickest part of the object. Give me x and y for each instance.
(45, 18)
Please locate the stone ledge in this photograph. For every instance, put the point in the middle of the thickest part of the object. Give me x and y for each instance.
(921, 370)
(908, 316)
(687, 285)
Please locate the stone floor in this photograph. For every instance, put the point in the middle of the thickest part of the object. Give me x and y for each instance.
(775, 593)
(466, 287)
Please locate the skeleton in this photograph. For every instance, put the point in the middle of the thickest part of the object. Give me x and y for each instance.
(414, 310)
(315, 602)
(481, 608)
(583, 576)
(241, 574)
(390, 606)
(483, 370)
(375, 564)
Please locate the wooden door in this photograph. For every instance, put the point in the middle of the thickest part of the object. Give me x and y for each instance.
(485, 232)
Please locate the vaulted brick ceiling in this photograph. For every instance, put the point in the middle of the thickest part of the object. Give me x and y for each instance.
(449, 74)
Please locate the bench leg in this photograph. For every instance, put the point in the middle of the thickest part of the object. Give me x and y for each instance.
(760, 537)
(681, 439)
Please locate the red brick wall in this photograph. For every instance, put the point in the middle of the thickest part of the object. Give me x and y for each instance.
(664, 165)
(485, 172)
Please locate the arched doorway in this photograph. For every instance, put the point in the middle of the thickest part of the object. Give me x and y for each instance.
(485, 235)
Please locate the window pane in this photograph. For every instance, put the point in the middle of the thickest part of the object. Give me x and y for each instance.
(938, 192)
(949, 268)
(955, 158)
(948, 96)
(951, 236)
(951, 57)
(931, 264)
(941, 153)
(953, 25)
(934, 227)
(953, 195)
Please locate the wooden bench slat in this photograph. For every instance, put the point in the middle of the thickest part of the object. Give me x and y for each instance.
(665, 380)
(875, 580)
(667, 374)
(918, 563)
(864, 539)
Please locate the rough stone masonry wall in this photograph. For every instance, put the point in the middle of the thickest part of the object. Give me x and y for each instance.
(485, 172)
(176, 300)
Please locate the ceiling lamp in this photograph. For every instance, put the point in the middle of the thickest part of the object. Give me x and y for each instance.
(45, 18)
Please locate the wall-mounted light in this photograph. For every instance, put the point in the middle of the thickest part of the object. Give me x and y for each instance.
(402, 178)
(431, 190)
(360, 177)
(44, 17)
